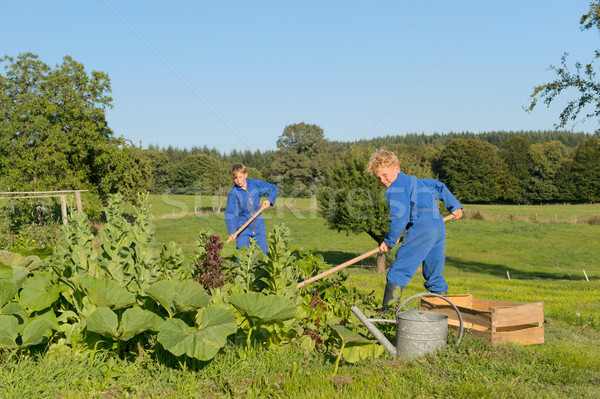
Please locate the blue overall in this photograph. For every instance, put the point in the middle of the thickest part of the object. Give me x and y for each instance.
(241, 205)
(413, 207)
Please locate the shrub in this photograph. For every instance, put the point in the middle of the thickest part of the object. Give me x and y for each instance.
(477, 215)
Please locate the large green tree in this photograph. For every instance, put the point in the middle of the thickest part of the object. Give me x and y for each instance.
(473, 170)
(200, 173)
(301, 160)
(515, 153)
(583, 80)
(545, 160)
(54, 134)
(161, 168)
(585, 171)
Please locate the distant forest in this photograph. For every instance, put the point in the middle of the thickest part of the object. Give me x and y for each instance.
(503, 166)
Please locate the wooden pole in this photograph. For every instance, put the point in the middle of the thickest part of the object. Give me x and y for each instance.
(38, 192)
(78, 198)
(63, 209)
(337, 268)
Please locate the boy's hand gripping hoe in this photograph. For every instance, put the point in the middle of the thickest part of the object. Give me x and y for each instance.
(234, 235)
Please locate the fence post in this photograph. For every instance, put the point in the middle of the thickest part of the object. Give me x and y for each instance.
(78, 198)
(63, 208)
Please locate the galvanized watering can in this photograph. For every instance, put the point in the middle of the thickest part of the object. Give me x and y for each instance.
(417, 332)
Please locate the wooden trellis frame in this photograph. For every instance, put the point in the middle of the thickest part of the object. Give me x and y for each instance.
(48, 194)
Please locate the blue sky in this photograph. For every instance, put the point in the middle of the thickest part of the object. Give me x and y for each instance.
(232, 74)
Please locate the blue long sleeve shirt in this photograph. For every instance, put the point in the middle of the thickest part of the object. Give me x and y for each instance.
(242, 204)
(409, 197)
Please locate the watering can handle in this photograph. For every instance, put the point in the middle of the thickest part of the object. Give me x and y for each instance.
(461, 329)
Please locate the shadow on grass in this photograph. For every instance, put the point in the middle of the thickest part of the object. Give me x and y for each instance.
(500, 270)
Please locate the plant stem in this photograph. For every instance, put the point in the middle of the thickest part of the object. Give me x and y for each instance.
(337, 361)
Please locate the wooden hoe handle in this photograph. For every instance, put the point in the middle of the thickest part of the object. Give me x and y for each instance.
(350, 262)
(245, 225)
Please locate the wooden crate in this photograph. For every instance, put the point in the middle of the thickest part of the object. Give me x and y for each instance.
(495, 321)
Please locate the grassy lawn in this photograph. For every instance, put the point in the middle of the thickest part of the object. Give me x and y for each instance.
(545, 262)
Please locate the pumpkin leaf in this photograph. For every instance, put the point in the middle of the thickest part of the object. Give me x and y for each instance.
(180, 296)
(36, 331)
(106, 293)
(137, 320)
(215, 324)
(104, 322)
(263, 309)
(39, 292)
(8, 290)
(9, 330)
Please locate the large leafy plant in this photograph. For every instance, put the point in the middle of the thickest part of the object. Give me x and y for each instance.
(115, 291)
(25, 317)
(108, 291)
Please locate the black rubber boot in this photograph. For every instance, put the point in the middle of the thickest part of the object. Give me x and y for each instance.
(440, 292)
(391, 293)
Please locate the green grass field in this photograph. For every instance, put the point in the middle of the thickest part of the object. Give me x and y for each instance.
(545, 262)
(174, 206)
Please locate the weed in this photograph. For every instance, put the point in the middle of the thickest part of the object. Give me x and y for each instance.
(594, 220)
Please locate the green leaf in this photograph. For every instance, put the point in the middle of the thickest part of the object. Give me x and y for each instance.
(173, 335)
(17, 260)
(263, 309)
(8, 290)
(203, 343)
(190, 295)
(39, 292)
(9, 327)
(21, 266)
(104, 322)
(350, 336)
(182, 296)
(106, 293)
(6, 272)
(16, 309)
(136, 320)
(356, 346)
(353, 353)
(36, 330)
(163, 292)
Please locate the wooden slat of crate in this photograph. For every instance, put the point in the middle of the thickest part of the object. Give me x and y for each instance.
(470, 316)
(525, 336)
(495, 321)
(515, 315)
(487, 305)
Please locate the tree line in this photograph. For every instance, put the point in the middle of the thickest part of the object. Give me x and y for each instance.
(562, 168)
(54, 135)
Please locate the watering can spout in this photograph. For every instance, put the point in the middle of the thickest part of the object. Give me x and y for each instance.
(375, 331)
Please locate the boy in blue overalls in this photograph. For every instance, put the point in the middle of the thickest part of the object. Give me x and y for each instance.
(243, 201)
(413, 208)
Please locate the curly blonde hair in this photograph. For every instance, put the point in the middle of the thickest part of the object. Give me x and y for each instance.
(382, 159)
